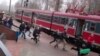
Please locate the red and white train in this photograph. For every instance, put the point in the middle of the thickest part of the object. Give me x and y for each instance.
(60, 21)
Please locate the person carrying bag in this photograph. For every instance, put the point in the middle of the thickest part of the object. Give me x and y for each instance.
(84, 51)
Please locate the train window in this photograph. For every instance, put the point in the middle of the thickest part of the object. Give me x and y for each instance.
(64, 21)
(72, 22)
(86, 26)
(56, 20)
(91, 26)
(37, 15)
(48, 18)
(18, 12)
(40, 16)
(27, 14)
(44, 17)
(97, 30)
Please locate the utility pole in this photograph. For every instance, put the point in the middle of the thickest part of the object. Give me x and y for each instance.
(9, 7)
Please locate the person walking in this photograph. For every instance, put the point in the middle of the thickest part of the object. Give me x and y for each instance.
(27, 29)
(54, 35)
(5, 21)
(57, 38)
(79, 43)
(35, 34)
(17, 35)
(22, 29)
(10, 22)
(64, 39)
(39, 31)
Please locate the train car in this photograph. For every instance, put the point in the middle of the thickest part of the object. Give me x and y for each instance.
(91, 27)
(60, 21)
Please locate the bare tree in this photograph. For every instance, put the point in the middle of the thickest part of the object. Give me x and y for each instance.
(89, 6)
(68, 7)
(57, 6)
(54, 4)
(46, 3)
(34, 5)
(76, 6)
(71, 7)
(18, 5)
(94, 6)
(50, 4)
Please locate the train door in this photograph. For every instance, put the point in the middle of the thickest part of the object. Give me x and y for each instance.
(79, 27)
(78, 34)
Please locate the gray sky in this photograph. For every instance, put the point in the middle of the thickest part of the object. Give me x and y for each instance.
(4, 4)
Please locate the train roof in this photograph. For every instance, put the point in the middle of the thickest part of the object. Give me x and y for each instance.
(76, 15)
(36, 10)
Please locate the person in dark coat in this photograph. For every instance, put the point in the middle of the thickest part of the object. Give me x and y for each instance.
(64, 39)
(10, 22)
(39, 31)
(61, 38)
(54, 35)
(57, 38)
(17, 35)
(27, 29)
(35, 34)
(22, 29)
(5, 21)
(78, 42)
